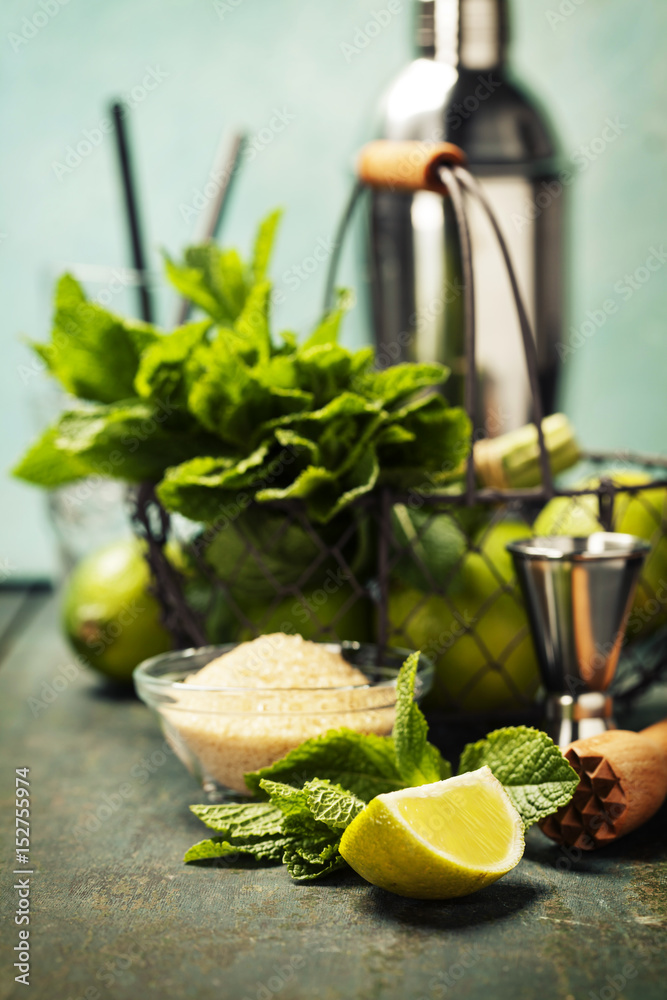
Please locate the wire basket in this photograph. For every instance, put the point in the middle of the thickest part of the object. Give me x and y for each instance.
(424, 570)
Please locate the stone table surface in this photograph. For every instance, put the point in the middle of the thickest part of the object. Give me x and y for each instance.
(115, 914)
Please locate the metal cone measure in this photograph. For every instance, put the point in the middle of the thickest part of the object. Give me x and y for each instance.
(578, 594)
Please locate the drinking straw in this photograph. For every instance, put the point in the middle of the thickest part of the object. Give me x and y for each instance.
(223, 171)
(119, 113)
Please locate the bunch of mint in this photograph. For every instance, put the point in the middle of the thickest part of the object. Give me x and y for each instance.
(305, 801)
(219, 407)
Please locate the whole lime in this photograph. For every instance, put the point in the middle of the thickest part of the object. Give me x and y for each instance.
(329, 613)
(263, 550)
(477, 633)
(109, 616)
(643, 514)
(428, 545)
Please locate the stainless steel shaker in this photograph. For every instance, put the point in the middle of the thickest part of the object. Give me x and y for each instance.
(458, 90)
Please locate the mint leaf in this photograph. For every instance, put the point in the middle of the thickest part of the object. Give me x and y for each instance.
(439, 440)
(363, 765)
(326, 332)
(401, 381)
(419, 763)
(92, 353)
(229, 396)
(326, 493)
(212, 279)
(191, 488)
(292, 802)
(303, 870)
(332, 804)
(84, 442)
(254, 828)
(536, 775)
(46, 464)
(312, 850)
(162, 369)
(252, 324)
(264, 241)
(271, 849)
(133, 440)
(324, 370)
(316, 850)
(241, 820)
(191, 283)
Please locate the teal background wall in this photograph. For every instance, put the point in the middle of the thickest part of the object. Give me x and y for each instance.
(235, 64)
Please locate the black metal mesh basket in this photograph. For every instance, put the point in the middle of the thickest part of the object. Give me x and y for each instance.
(425, 570)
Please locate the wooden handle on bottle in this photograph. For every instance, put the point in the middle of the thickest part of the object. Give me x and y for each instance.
(657, 734)
(407, 166)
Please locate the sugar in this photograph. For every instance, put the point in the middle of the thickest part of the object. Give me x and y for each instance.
(264, 698)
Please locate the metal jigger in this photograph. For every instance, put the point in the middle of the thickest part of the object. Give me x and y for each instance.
(578, 594)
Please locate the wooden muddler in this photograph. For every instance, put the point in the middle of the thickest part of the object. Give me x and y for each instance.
(407, 166)
(623, 782)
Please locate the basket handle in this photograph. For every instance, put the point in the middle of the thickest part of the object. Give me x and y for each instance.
(441, 167)
(407, 166)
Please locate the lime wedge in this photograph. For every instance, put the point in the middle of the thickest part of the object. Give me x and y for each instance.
(436, 841)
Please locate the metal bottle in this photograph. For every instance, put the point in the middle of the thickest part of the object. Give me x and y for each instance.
(458, 89)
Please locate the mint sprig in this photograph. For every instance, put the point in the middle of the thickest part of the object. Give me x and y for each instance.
(536, 775)
(314, 792)
(364, 765)
(219, 391)
(419, 762)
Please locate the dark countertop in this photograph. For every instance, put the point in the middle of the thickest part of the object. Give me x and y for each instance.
(115, 913)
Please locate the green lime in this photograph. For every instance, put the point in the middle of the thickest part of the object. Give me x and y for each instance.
(264, 550)
(429, 545)
(437, 841)
(330, 613)
(477, 634)
(642, 514)
(109, 616)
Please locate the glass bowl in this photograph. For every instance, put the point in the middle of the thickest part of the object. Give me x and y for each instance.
(221, 733)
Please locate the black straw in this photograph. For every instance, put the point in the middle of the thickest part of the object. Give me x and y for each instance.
(119, 113)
